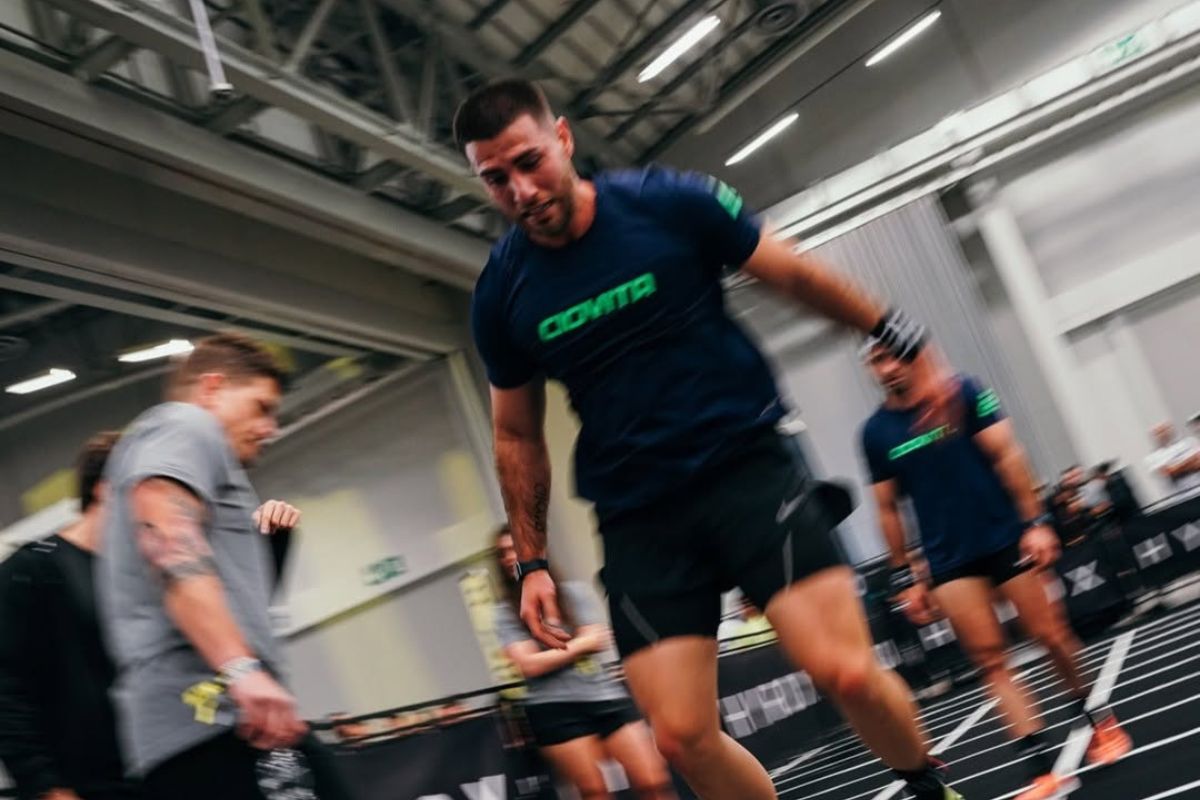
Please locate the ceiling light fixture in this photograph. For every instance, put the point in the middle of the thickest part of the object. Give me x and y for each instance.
(680, 46)
(52, 378)
(764, 137)
(172, 348)
(915, 30)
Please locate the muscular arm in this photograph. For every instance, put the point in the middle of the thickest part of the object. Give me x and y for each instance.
(807, 280)
(889, 519)
(1000, 443)
(523, 464)
(170, 536)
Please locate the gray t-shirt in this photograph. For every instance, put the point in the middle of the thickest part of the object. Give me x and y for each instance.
(582, 682)
(156, 665)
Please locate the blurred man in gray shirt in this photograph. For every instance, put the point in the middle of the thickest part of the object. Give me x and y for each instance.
(186, 578)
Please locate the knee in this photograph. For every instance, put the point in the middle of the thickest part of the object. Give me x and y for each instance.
(592, 788)
(684, 740)
(653, 785)
(1057, 638)
(849, 680)
(990, 660)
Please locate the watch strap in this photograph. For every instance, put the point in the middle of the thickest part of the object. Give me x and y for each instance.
(533, 565)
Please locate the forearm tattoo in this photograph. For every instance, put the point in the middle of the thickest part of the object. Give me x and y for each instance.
(541, 507)
(174, 545)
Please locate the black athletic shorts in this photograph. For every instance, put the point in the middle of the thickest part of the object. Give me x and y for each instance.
(1000, 567)
(555, 723)
(753, 521)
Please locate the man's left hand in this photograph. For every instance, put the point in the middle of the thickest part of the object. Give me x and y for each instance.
(275, 515)
(1040, 546)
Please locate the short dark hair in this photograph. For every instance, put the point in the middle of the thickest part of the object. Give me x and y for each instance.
(89, 465)
(493, 107)
(233, 354)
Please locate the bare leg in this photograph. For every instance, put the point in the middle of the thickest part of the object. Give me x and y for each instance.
(822, 629)
(1045, 621)
(633, 748)
(968, 604)
(675, 684)
(577, 762)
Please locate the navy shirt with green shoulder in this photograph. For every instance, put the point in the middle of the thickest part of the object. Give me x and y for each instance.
(631, 319)
(962, 507)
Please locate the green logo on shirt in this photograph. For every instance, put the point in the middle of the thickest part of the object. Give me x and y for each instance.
(925, 439)
(988, 404)
(728, 197)
(599, 306)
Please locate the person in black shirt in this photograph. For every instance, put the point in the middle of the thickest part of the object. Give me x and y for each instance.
(57, 729)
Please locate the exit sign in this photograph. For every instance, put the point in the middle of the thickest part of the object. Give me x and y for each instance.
(384, 570)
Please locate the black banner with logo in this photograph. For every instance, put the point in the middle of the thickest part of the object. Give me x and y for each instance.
(1166, 543)
(768, 707)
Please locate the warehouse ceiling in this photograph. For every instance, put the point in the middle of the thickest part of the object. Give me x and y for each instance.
(363, 91)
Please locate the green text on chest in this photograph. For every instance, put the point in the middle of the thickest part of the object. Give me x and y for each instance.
(599, 306)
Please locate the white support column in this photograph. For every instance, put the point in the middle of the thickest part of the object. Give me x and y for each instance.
(1018, 271)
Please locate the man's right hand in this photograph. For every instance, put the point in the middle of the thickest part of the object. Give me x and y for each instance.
(268, 712)
(539, 610)
(59, 794)
(918, 604)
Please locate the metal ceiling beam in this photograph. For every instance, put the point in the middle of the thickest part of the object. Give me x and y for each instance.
(763, 69)
(57, 111)
(233, 115)
(745, 84)
(472, 51)
(427, 102)
(32, 313)
(308, 35)
(456, 208)
(93, 300)
(561, 25)
(684, 76)
(376, 176)
(149, 27)
(624, 61)
(264, 37)
(486, 13)
(399, 101)
(101, 57)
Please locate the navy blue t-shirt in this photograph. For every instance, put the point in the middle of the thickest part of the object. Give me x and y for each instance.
(631, 319)
(962, 507)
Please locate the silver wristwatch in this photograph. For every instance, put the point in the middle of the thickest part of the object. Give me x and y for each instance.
(235, 669)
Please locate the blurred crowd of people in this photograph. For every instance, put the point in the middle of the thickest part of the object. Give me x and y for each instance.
(1083, 500)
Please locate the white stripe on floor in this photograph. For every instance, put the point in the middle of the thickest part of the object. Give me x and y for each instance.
(1176, 791)
(1006, 765)
(945, 744)
(773, 774)
(819, 772)
(1077, 742)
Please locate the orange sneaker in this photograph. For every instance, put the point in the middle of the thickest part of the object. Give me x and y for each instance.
(1049, 786)
(1110, 743)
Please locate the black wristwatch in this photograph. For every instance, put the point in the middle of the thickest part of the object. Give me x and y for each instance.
(526, 567)
(1044, 519)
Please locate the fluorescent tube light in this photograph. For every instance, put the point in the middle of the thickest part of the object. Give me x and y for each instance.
(171, 348)
(681, 45)
(52, 378)
(764, 137)
(915, 30)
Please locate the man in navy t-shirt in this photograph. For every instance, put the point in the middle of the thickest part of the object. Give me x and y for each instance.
(612, 287)
(983, 529)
